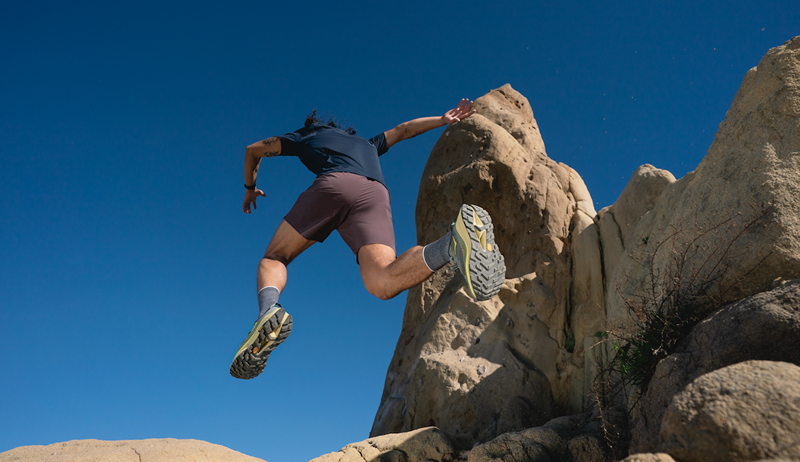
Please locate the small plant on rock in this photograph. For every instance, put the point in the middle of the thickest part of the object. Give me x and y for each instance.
(687, 275)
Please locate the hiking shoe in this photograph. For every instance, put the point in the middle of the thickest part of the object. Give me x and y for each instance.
(475, 253)
(268, 332)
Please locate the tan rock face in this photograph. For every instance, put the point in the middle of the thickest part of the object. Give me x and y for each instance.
(152, 450)
(477, 370)
(425, 444)
(531, 444)
(743, 412)
(618, 221)
(473, 369)
(648, 457)
(753, 162)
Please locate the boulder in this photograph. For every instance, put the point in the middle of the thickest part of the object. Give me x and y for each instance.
(531, 445)
(423, 445)
(765, 326)
(751, 168)
(648, 457)
(744, 412)
(586, 448)
(617, 222)
(478, 369)
(152, 450)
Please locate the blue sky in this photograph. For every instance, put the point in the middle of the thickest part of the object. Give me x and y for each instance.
(127, 268)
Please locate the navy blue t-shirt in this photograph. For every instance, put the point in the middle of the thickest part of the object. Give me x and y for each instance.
(325, 149)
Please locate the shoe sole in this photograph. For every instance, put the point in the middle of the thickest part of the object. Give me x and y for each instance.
(478, 257)
(269, 331)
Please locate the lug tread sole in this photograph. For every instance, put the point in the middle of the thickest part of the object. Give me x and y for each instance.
(487, 268)
(247, 364)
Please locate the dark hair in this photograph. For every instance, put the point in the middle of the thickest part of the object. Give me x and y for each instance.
(331, 122)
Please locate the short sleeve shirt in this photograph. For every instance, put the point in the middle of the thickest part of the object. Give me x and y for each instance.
(324, 149)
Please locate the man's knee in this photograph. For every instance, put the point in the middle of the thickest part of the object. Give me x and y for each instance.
(379, 290)
(275, 257)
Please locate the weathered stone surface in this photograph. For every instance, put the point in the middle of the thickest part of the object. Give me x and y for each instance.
(152, 450)
(423, 445)
(743, 412)
(586, 448)
(765, 326)
(531, 445)
(648, 457)
(618, 221)
(753, 162)
(478, 369)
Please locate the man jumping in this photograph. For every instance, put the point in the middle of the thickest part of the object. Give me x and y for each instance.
(349, 195)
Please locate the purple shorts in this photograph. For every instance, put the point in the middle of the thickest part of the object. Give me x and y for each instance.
(352, 204)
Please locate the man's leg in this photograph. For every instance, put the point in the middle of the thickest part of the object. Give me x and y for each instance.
(274, 324)
(473, 250)
(284, 247)
(386, 276)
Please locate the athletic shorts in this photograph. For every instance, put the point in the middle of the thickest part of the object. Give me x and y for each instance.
(352, 204)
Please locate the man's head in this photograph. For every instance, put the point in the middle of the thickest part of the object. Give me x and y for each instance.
(312, 119)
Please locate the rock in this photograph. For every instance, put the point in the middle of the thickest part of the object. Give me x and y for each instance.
(586, 449)
(152, 450)
(531, 445)
(743, 412)
(478, 369)
(765, 326)
(657, 457)
(423, 445)
(751, 166)
(618, 221)
(518, 339)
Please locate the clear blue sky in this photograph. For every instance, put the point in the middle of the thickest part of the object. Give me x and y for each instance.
(127, 268)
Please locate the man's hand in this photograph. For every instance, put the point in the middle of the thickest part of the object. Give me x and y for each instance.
(463, 110)
(250, 198)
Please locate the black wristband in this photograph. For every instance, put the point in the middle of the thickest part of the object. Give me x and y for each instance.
(251, 188)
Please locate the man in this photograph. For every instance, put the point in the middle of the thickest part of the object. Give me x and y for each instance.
(349, 195)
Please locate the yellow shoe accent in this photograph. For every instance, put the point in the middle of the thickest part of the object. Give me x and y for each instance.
(476, 219)
(481, 238)
(461, 229)
(272, 336)
(256, 328)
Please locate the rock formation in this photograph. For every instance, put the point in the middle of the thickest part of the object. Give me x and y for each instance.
(153, 450)
(477, 370)
(417, 445)
(747, 411)
(750, 329)
(480, 369)
(751, 166)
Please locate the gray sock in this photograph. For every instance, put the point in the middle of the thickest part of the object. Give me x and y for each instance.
(267, 297)
(437, 254)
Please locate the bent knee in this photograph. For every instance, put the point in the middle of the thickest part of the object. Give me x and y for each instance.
(379, 291)
(283, 259)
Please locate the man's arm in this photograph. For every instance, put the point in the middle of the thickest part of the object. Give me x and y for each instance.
(416, 127)
(253, 154)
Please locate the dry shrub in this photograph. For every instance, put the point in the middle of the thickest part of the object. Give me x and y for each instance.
(687, 276)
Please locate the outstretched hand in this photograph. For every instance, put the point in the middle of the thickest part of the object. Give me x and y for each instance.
(250, 198)
(463, 110)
